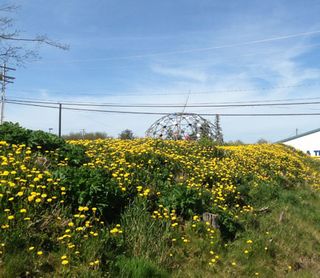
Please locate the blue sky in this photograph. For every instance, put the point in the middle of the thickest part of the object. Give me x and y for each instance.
(159, 51)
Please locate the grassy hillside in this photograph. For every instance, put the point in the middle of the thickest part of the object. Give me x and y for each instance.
(134, 208)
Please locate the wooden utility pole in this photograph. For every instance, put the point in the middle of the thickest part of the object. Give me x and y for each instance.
(5, 79)
(3, 92)
(60, 112)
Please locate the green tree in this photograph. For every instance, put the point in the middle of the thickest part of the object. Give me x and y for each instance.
(262, 141)
(87, 136)
(205, 130)
(218, 135)
(126, 134)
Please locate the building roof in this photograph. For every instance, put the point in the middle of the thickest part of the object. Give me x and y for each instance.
(300, 135)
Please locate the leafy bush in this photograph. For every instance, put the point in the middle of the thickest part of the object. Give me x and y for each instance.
(93, 188)
(74, 154)
(43, 142)
(187, 201)
(228, 226)
(14, 134)
(47, 141)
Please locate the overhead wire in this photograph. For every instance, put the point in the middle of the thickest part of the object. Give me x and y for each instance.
(150, 93)
(169, 105)
(223, 102)
(167, 113)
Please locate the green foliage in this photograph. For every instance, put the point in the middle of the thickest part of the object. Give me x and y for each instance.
(218, 135)
(207, 142)
(47, 141)
(262, 141)
(43, 142)
(14, 134)
(228, 226)
(281, 247)
(93, 188)
(18, 265)
(235, 143)
(145, 236)
(74, 154)
(86, 136)
(138, 268)
(187, 201)
(126, 134)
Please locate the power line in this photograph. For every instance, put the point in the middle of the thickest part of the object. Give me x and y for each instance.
(223, 102)
(150, 93)
(169, 105)
(167, 113)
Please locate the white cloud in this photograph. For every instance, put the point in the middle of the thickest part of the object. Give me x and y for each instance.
(180, 73)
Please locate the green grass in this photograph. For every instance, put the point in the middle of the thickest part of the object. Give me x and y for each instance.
(286, 247)
(293, 243)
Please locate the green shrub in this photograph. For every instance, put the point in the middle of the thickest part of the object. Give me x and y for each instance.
(43, 142)
(94, 188)
(75, 154)
(47, 141)
(14, 134)
(228, 226)
(186, 201)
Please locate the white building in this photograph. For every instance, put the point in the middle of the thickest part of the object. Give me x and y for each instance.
(308, 142)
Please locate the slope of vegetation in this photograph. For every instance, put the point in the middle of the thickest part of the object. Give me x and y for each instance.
(134, 208)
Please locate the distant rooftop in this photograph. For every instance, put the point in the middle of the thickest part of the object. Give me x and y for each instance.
(299, 135)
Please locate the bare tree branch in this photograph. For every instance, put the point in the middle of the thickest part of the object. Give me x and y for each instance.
(39, 39)
(12, 48)
(8, 8)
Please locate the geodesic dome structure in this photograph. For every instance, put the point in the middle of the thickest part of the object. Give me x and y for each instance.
(181, 126)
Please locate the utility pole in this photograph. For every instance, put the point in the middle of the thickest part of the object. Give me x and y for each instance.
(60, 112)
(83, 132)
(5, 79)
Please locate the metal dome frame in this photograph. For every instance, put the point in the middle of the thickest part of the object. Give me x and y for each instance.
(181, 126)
